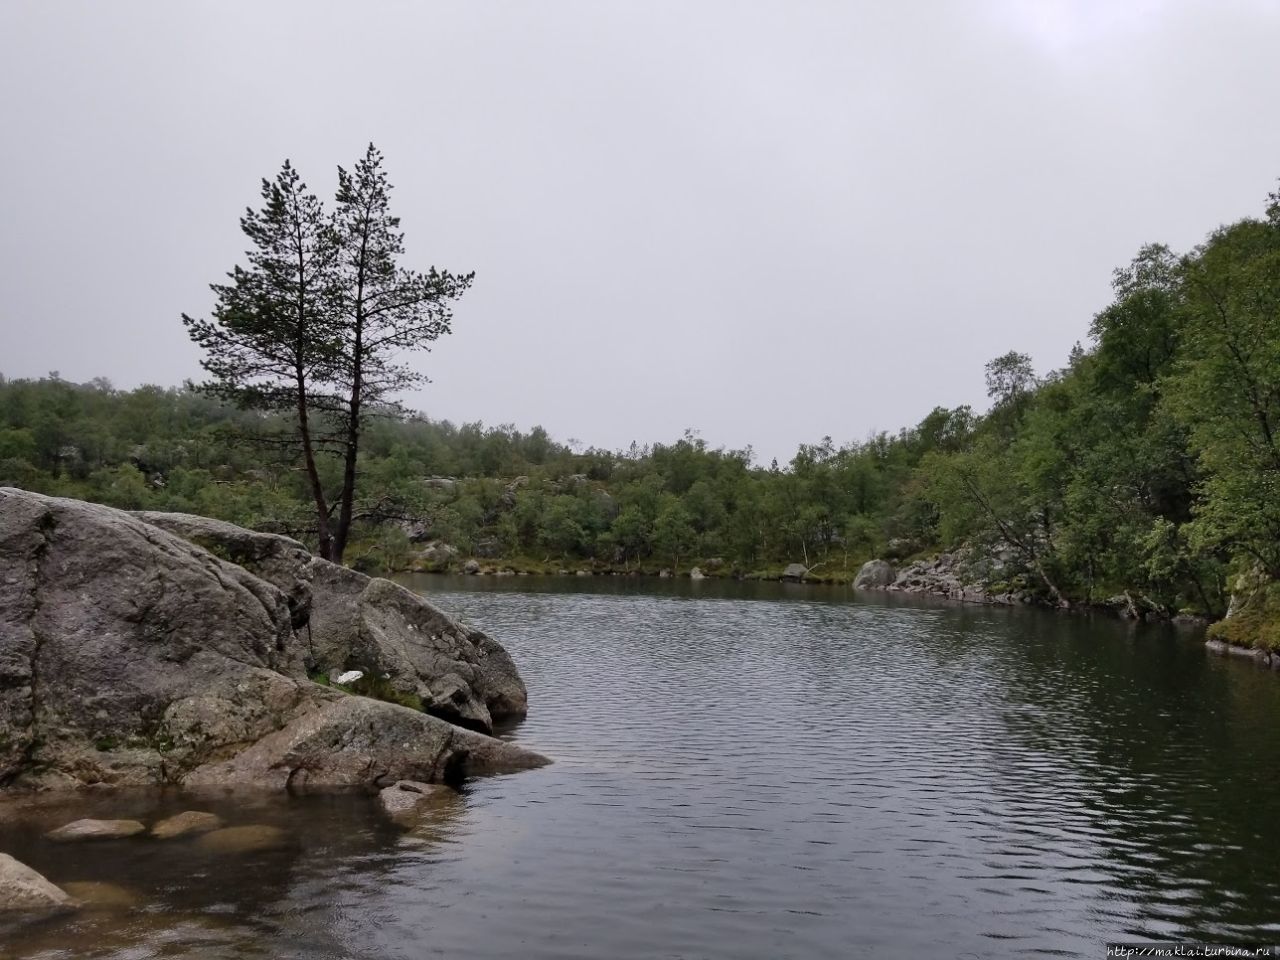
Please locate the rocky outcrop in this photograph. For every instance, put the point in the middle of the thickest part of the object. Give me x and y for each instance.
(131, 655)
(356, 741)
(874, 575)
(411, 650)
(382, 629)
(954, 576)
(279, 560)
(23, 889)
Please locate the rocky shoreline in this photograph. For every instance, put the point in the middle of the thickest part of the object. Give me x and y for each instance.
(959, 576)
(171, 650)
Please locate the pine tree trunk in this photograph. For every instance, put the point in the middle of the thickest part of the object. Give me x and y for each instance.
(313, 475)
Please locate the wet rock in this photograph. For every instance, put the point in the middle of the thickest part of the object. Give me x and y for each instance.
(185, 824)
(405, 800)
(874, 575)
(359, 742)
(96, 830)
(245, 839)
(23, 889)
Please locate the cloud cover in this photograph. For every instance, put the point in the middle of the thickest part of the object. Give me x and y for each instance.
(766, 221)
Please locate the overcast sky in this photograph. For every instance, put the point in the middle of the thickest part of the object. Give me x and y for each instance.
(767, 221)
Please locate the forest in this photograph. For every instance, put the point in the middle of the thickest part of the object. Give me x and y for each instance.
(1147, 466)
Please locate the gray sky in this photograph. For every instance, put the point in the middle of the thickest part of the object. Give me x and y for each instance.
(768, 221)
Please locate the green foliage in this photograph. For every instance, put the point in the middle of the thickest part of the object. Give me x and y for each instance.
(1256, 623)
(371, 685)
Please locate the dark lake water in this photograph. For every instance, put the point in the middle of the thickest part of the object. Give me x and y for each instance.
(758, 771)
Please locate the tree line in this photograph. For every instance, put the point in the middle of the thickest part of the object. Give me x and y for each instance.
(1146, 467)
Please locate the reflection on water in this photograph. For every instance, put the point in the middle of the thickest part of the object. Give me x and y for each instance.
(752, 771)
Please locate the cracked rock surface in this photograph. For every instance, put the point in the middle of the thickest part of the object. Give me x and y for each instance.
(130, 655)
(345, 621)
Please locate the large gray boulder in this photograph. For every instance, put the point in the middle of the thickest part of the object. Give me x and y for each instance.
(356, 741)
(795, 571)
(421, 653)
(107, 623)
(874, 575)
(131, 656)
(22, 888)
(411, 651)
(277, 559)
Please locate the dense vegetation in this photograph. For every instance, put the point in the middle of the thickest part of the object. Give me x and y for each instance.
(1148, 467)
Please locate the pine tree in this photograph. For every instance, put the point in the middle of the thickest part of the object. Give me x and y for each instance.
(272, 342)
(315, 325)
(385, 310)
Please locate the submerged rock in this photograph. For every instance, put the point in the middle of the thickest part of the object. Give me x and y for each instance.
(102, 896)
(186, 823)
(22, 888)
(405, 799)
(96, 830)
(244, 839)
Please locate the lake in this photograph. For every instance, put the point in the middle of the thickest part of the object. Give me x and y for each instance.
(755, 770)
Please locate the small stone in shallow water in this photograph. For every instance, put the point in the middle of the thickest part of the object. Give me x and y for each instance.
(102, 896)
(187, 822)
(242, 839)
(96, 830)
(404, 800)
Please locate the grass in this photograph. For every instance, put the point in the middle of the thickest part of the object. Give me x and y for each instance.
(1255, 624)
(372, 686)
